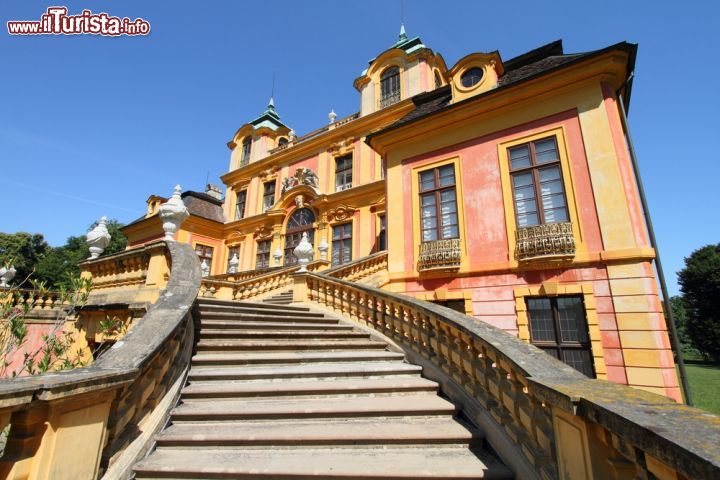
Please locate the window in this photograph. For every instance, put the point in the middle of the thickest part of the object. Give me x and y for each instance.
(381, 238)
(205, 254)
(301, 221)
(240, 204)
(246, 147)
(233, 251)
(536, 174)
(282, 142)
(342, 244)
(343, 172)
(438, 205)
(558, 326)
(389, 87)
(268, 195)
(438, 79)
(471, 77)
(262, 259)
(457, 305)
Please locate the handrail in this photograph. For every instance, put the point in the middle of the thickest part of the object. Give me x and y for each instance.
(115, 393)
(361, 268)
(533, 407)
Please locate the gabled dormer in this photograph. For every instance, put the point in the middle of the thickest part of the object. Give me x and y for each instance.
(255, 139)
(407, 68)
(474, 74)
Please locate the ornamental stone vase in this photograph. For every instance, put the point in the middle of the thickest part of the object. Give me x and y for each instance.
(303, 252)
(323, 249)
(233, 264)
(205, 268)
(98, 238)
(173, 213)
(277, 256)
(7, 274)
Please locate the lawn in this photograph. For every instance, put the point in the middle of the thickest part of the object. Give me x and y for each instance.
(705, 386)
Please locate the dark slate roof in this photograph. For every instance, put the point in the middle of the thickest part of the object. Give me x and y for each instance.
(203, 205)
(528, 65)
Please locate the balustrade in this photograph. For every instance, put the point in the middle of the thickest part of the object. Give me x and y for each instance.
(542, 241)
(439, 255)
(368, 270)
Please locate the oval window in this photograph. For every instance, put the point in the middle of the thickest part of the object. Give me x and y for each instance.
(471, 77)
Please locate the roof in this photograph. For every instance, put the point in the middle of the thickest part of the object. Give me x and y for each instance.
(203, 205)
(269, 118)
(408, 45)
(523, 67)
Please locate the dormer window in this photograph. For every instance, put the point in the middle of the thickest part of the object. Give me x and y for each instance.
(438, 79)
(282, 142)
(389, 87)
(471, 77)
(246, 147)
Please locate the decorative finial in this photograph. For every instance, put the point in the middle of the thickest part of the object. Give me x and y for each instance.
(277, 256)
(402, 36)
(233, 264)
(323, 249)
(332, 116)
(205, 267)
(98, 238)
(303, 252)
(173, 213)
(6, 274)
(271, 104)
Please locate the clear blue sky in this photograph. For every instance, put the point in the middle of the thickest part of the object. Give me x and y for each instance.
(91, 126)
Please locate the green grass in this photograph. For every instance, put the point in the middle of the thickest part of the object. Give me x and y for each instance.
(705, 386)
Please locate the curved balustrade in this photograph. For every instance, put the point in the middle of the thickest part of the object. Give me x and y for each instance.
(545, 419)
(370, 270)
(76, 423)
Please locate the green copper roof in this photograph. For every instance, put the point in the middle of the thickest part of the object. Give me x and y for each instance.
(269, 118)
(410, 45)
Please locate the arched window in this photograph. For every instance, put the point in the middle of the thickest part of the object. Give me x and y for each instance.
(283, 141)
(389, 87)
(246, 147)
(301, 221)
(438, 79)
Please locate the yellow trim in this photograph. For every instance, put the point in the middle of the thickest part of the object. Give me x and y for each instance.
(553, 289)
(568, 185)
(415, 192)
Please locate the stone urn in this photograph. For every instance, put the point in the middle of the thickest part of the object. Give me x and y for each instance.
(173, 213)
(304, 252)
(205, 268)
(233, 264)
(323, 249)
(7, 274)
(277, 256)
(98, 238)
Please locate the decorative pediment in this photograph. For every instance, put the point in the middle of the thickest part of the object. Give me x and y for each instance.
(303, 176)
(342, 146)
(263, 231)
(340, 213)
(264, 174)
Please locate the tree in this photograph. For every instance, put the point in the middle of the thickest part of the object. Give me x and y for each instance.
(680, 314)
(700, 284)
(23, 250)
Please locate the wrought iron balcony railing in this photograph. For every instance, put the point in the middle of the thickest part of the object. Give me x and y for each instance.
(389, 99)
(439, 255)
(543, 241)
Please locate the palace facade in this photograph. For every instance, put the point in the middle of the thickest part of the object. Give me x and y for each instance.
(502, 188)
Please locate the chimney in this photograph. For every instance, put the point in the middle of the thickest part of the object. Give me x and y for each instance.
(214, 191)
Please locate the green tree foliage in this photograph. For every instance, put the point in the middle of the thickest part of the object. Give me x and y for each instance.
(680, 314)
(53, 265)
(700, 284)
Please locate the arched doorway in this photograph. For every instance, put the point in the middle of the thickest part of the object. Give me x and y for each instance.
(301, 221)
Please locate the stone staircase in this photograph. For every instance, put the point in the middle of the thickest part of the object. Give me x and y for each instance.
(282, 298)
(280, 391)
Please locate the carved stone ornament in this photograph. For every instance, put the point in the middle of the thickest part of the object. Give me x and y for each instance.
(6, 274)
(173, 213)
(277, 255)
(263, 231)
(340, 213)
(233, 264)
(303, 176)
(205, 268)
(323, 248)
(299, 201)
(303, 252)
(98, 238)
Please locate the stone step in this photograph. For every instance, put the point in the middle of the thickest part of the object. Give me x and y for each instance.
(308, 387)
(241, 310)
(208, 345)
(287, 317)
(326, 407)
(244, 303)
(279, 334)
(250, 325)
(269, 358)
(389, 463)
(393, 431)
(339, 369)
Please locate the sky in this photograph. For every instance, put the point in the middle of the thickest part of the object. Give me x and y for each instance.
(92, 125)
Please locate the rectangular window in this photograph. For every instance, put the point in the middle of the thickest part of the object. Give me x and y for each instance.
(342, 244)
(381, 239)
(262, 260)
(558, 326)
(268, 195)
(438, 204)
(538, 192)
(233, 251)
(343, 172)
(205, 253)
(240, 204)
